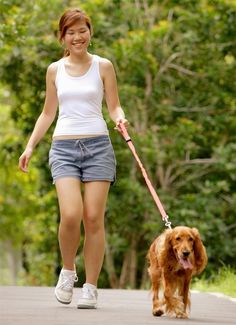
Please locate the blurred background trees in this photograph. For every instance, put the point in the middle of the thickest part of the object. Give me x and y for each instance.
(175, 64)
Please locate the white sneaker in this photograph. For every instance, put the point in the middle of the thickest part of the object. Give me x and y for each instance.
(65, 285)
(89, 297)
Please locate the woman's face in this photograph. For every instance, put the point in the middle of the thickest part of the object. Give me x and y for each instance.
(77, 38)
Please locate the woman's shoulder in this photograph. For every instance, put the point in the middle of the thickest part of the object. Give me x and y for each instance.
(52, 68)
(104, 61)
(106, 65)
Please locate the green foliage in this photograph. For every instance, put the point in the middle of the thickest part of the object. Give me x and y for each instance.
(175, 63)
(224, 281)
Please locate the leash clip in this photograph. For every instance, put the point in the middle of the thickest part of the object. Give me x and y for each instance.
(167, 222)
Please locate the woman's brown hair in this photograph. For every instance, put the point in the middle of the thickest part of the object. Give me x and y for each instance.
(69, 18)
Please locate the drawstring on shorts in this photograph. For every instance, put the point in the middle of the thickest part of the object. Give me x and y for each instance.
(84, 150)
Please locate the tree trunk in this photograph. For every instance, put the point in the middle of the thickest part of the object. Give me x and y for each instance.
(110, 267)
(145, 283)
(125, 270)
(133, 262)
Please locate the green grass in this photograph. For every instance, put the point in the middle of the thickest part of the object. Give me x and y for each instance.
(223, 282)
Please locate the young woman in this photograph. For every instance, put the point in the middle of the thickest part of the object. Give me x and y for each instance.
(81, 152)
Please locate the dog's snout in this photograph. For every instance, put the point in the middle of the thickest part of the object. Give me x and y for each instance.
(186, 253)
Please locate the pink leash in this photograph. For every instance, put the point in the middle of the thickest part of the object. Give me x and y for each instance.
(122, 129)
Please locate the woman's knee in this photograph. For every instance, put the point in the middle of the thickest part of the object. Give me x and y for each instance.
(93, 223)
(70, 220)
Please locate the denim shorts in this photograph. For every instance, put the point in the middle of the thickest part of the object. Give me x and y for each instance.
(88, 159)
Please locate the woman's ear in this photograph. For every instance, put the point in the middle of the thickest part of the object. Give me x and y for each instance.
(199, 252)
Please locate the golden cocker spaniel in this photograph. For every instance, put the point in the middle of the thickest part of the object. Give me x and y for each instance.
(175, 256)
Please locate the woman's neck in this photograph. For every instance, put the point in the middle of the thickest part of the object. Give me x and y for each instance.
(83, 58)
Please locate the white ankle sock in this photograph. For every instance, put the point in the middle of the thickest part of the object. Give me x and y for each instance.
(68, 272)
(89, 285)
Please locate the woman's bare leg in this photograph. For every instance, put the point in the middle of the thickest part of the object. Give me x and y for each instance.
(71, 211)
(95, 197)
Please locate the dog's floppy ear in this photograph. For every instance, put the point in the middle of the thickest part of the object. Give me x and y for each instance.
(168, 241)
(166, 248)
(168, 237)
(199, 252)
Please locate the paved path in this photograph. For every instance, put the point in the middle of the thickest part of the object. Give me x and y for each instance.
(37, 306)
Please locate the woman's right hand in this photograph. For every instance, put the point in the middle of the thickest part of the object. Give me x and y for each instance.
(24, 159)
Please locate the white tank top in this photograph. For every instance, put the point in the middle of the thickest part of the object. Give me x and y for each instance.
(80, 101)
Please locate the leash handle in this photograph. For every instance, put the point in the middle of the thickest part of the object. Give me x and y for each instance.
(122, 129)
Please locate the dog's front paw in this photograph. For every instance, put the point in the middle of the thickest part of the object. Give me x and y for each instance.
(181, 314)
(157, 312)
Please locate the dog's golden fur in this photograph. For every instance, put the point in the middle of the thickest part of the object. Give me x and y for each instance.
(175, 256)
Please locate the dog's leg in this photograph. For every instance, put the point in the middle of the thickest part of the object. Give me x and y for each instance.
(174, 305)
(155, 275)
(184, 293)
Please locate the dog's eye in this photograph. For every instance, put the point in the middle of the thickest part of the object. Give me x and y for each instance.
(178, 238)
(190, 238)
